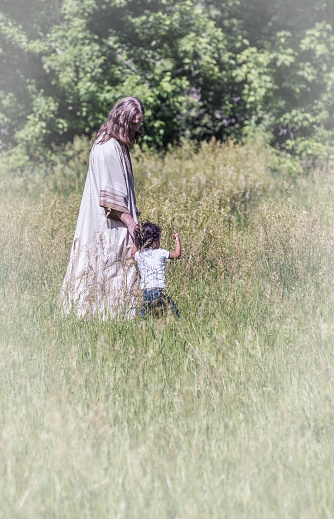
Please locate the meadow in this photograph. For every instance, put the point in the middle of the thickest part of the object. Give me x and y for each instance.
(226, 413)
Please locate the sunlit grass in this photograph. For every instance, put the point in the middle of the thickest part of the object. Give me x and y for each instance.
(227, 412)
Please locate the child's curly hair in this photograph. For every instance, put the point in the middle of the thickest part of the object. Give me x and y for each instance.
(147, 234)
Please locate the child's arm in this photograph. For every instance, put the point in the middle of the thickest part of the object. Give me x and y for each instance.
(177, 253)
(133, 252)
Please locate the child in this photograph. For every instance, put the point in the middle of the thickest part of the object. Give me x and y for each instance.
(151, 263)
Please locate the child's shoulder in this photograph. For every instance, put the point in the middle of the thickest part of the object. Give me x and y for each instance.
(163, 252)
(152, 252)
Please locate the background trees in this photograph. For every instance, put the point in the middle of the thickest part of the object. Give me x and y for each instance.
(202, 68)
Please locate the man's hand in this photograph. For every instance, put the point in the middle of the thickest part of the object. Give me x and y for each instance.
(129, 222)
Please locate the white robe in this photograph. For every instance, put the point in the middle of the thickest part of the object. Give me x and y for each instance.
(101, 277)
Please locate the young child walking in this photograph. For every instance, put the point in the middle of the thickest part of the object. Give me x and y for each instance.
(151, 263)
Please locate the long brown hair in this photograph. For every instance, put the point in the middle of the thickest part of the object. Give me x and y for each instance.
(120, 121)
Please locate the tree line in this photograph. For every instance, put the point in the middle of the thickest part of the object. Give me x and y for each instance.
(202, 68)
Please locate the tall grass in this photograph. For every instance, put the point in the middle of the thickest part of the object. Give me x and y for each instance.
(227, 412)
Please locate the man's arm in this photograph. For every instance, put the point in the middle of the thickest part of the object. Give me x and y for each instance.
(177, 253)
(128, 220)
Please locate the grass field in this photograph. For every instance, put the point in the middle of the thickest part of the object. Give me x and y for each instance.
(227, 413)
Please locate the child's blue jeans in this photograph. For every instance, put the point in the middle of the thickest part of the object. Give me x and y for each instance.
(156, 298)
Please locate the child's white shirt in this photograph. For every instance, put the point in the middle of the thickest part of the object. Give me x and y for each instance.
(151, 264)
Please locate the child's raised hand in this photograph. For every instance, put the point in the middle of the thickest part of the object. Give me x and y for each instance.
(177, 253)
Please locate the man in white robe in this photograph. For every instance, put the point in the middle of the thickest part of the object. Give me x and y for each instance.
(101, 276)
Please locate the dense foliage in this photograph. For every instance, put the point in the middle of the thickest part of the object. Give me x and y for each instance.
(201, 67)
